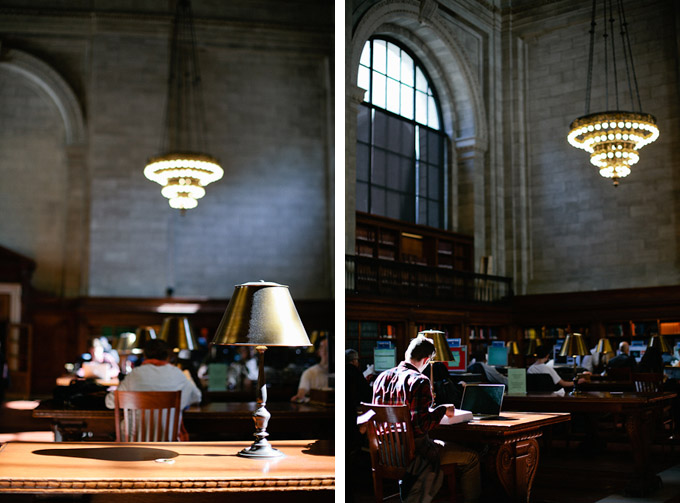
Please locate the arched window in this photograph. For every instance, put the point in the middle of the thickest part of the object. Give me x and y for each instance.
(400, 147)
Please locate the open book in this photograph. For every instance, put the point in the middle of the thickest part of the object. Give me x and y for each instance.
(461, 416)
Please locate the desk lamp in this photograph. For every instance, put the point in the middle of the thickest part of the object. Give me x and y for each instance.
(661, 342)
(574, 346)
(261, 314)
(176, 331)
(532, 346)
(442, 351)
(604, 347)
(133, 343)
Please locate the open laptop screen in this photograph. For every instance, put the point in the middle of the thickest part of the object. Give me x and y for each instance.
(483, 398)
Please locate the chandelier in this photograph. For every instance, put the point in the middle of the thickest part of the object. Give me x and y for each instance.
(183, 169)
(613, 138)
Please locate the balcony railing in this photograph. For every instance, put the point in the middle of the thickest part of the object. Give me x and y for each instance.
(369, 276)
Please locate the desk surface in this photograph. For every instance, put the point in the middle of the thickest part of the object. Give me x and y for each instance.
(239, 410)
(42, 467)
(512, 423)
(588, 401)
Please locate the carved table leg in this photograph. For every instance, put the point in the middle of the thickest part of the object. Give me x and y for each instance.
(643, 481)
(514, 464)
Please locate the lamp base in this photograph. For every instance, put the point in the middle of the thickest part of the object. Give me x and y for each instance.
(261, 449)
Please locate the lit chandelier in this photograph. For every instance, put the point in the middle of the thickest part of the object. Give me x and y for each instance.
(181, 169)
(613, 138)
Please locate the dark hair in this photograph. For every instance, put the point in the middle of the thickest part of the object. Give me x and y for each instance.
(156, 349)
(420, 347)
(351, 355)
(439, 371)
(543, 351)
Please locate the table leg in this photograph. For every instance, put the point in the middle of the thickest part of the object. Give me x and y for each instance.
(644, 481)
(514, 464)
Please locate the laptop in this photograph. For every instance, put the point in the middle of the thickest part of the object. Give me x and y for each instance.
(483, 400)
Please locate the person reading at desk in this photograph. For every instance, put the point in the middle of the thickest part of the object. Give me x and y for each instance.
(406, 384)
(156, 373)
(316, 376)
(541, 366)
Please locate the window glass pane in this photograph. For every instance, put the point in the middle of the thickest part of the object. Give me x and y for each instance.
(392, 96)
(421, 81)
(377, 201)
(432, 118)
(406, 175)
(434, 148)
(362, 197)
(379, 56)
(434, 183)
(393, 203)
(378, 97)
(406, 102)
(393, 61)
(363, 81)
(362, 162)
(422, 212)
(422, 179)
(421, 107)
(406, 69)
(363, 124)
(433, 218)
(380, 129)
(379, 167)
(366, 55)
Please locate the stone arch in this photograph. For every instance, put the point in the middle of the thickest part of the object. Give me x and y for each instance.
(47, 81)
(45, 78)
(440, 53)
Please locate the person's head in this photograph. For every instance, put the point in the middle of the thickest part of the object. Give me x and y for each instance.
(419, 351)
(97, 349)
(352, 357)
(439, 371)
(624, 348)
(322, 350)
(543, 352)
(479, 355)
(157, 349)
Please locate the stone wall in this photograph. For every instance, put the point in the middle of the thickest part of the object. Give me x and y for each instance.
(266, 76)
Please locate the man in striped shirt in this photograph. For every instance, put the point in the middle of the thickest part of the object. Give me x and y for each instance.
(406, 384)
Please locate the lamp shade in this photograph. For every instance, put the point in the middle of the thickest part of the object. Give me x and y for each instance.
(513, 348)
(261, 314)
(604, 346)
(661, 342)
(129, 342)
(574, 346)
(532, 346)
(443, 353)
(176, 331)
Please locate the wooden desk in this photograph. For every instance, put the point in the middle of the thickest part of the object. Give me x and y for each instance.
(198, 467)
(210, 421)
(636, 409)
(514, 451)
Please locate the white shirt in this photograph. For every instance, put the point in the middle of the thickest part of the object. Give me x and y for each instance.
(544, 368)
(315, 377)
(158, 378)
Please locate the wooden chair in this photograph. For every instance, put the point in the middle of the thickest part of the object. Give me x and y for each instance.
(392, 447)
(147, 416)
(648, 382)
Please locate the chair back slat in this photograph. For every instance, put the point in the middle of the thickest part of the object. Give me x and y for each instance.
(390, 439)
(648, 382)
(147, 416)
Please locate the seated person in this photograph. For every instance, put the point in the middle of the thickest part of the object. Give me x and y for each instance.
(156, 373)
(315, 376)
(103, 363)
(651, 361)
(489, 372)
(540, 366)
(445, 390)
(623, 359)
(243, 371)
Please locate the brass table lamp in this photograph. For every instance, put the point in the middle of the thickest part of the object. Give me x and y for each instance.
(261, 314)
(574, 346)
(661, 342)
(177, 332)
(442, 352)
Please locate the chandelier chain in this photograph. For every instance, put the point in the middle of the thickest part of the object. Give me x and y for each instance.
(589, 80)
